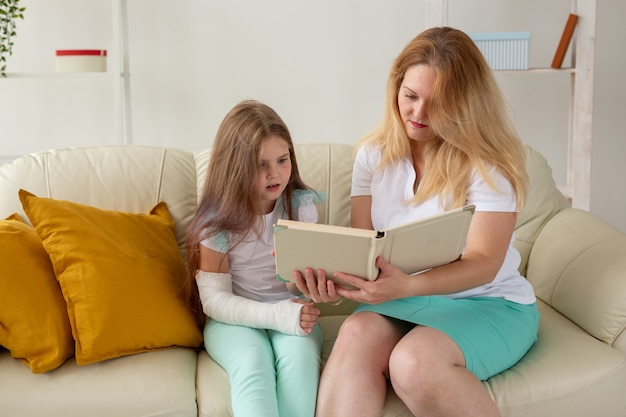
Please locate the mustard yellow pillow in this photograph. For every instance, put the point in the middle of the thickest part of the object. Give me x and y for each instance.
(34, 325)
(120, 274)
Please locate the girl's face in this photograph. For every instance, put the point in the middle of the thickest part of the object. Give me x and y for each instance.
(273, 172)
(413, 98)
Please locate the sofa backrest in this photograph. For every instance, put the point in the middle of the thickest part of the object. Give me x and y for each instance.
(327, 168)
(122, 178)
(544, 201)
(134, 178)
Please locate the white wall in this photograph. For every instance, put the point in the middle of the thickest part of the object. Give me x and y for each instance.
(322, 65)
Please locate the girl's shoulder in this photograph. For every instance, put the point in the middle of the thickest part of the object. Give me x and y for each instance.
(307, 197)
(304, 204)
(219, 241)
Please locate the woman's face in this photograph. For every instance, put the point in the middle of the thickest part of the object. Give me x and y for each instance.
(413, 98)
(274, 171)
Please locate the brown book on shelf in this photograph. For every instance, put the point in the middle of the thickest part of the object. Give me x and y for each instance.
(412, 247)
(566, 37)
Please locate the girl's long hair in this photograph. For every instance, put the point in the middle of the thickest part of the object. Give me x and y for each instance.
(230, 201)
(466, 112)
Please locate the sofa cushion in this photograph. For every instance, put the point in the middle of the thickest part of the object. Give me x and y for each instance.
(120, 274)
(155, 384)
(566, 372)
(33, 316)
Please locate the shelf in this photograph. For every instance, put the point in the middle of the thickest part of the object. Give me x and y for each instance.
(57, 74)
(539, 70)
(580, 133)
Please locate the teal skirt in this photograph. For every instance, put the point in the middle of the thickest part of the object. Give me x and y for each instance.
(493, 333)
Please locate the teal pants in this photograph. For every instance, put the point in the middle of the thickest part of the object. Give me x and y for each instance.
(271, 374)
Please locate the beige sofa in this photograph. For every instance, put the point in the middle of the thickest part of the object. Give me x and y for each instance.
(576, 262)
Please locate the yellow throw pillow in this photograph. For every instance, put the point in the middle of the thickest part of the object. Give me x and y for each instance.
(121, 276)
(34, 325)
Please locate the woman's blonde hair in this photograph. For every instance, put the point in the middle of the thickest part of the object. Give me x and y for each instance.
(466, 112)
(230, 201)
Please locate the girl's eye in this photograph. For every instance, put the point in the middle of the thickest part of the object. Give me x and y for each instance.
(283, 161)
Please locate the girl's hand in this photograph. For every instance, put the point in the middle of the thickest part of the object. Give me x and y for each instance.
(308, 315)
(315, 286)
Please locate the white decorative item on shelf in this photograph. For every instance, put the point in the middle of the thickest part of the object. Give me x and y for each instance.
(81, 60)
(504, 50)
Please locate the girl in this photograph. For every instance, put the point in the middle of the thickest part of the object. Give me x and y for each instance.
(267, 341)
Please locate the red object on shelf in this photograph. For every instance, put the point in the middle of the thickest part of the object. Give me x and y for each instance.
(81, 60)
(74, 52)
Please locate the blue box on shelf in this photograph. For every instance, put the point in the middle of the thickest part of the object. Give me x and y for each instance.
(504, 50)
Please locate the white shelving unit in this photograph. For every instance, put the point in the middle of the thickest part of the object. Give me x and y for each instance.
(578, 187)
(122, 87)
(118, 73)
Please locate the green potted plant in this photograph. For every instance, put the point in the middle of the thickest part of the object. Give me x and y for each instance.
(10, 11)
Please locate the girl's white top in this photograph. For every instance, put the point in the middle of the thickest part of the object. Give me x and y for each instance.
(251, 262)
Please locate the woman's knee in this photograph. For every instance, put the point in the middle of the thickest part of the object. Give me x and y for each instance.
(367, 325)
(420, 358)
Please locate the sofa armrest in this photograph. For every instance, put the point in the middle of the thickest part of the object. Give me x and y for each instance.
(578, 266)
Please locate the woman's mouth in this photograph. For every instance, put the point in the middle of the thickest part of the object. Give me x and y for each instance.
(418, 125)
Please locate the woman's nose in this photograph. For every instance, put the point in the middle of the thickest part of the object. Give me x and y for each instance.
(419, 111)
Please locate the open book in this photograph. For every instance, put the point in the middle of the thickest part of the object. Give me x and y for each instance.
(413, 247)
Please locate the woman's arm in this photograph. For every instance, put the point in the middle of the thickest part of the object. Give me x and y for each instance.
(487, 242)
(361, 212)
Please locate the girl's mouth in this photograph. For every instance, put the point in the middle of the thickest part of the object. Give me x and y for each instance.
(273, 187)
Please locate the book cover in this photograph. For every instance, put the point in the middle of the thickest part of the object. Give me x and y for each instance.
(566, 37)
(413, 247)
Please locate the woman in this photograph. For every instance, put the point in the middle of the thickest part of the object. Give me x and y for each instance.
(445, 141)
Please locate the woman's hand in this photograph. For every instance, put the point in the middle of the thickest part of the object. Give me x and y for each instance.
(391, 284)
(308, 315)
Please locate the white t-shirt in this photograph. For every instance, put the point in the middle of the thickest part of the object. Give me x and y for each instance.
(392, 186)
(251, 262)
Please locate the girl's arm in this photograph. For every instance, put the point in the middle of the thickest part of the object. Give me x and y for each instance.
(218, 301)
(213, 261)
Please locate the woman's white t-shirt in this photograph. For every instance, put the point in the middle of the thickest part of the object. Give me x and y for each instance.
(392, 186)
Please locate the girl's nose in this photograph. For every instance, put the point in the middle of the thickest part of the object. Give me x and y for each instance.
(271, 171)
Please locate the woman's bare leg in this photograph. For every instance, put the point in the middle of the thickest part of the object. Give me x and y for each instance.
(354, 380)
(427, 371)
